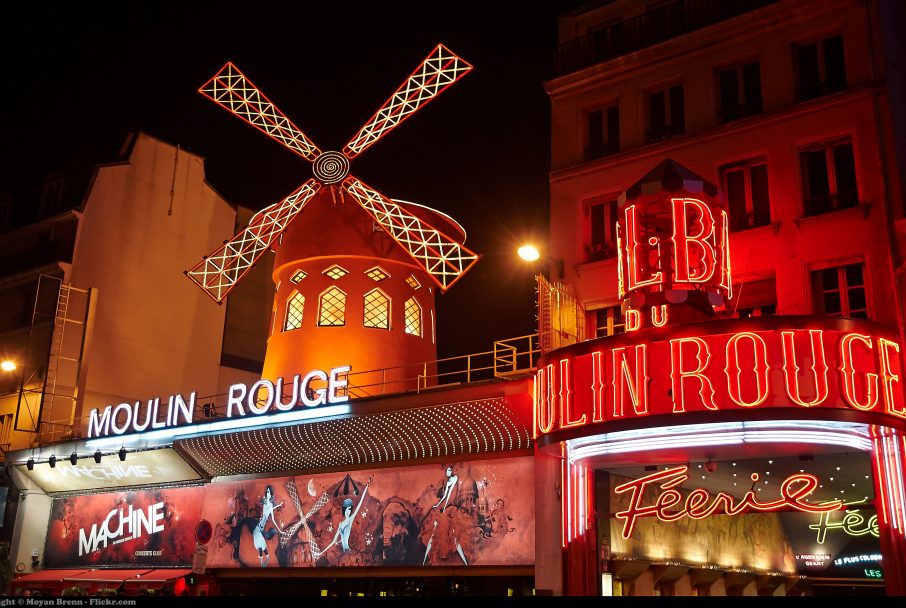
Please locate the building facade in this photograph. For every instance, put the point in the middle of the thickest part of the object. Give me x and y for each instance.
(787, 109)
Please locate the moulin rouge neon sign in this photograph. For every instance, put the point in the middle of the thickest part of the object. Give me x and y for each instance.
(670, 505)
(262, 397)
(782, 366)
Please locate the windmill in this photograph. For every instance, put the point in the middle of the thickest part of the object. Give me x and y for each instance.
(443, 258)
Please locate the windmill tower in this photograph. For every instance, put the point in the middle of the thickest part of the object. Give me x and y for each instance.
(355, 273)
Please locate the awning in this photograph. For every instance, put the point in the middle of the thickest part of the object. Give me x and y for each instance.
(45, 579)
(101, 578)
(155, 579)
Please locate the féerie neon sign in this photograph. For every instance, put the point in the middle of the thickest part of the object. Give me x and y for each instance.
(699, 503)
(262, 397)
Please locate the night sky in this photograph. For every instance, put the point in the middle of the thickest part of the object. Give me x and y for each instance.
(76, 79)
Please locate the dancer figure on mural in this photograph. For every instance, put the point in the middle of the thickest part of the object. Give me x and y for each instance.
(260, 536)
(449, 486)
(345, 527)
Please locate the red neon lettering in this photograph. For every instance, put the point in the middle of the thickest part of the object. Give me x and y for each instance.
(848, 374)
(545, 400)
(704, 269)
(759, 368)
(678, 373)
(566, 398)
(888, 377)
(632, 319)
(635, 249)
(724, 248)
(793, 492)
(791, 369)
(659, 315)
(622, 376)
(597, 387)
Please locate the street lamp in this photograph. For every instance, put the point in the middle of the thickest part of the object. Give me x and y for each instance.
(7, 365)
(530, 253)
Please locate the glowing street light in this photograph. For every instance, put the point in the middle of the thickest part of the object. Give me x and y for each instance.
(530, 253)
(7, 365)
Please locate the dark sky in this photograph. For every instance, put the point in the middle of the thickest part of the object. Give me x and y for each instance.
(80, 77)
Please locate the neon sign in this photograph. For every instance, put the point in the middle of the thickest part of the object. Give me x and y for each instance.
(262, 397)
(695, 255)
(853, 523)
(744, 364)
(699, 503)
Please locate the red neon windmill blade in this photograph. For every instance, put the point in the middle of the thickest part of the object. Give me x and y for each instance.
(232, 90)
(438, 71)
(443, 258)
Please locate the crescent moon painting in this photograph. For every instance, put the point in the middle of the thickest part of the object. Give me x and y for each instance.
(311, 487)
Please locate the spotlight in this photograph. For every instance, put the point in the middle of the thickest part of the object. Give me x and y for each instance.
(97, 457)
(30, 464)
(122, 454)
(73, 458)
(52, 461)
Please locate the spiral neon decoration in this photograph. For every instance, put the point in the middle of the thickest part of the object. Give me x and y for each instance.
(331, 167)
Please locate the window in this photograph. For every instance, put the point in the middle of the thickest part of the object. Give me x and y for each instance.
(600, 228)
(413, 312)
(746, 186)
(412, 282)
(333, 308)
(740, 92)
(377, 309)
(840, 291)
(376, 274)
(666, 113)
(6, 430)
(608, 321)
(821, 68)
(828, 174)
(603, 132)
(297, 277)
(335, 272)
(754, 299)
(294, 307)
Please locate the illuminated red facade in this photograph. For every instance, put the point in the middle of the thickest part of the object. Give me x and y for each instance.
(722, 187)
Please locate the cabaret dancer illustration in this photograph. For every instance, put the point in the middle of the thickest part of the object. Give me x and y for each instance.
(447, 492)
(345, 527)
(260, 536)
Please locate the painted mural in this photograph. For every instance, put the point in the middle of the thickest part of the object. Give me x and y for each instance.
(455, 514)
(748, 540)
(153, 527)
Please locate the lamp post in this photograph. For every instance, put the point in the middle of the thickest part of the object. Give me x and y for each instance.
(530, 253)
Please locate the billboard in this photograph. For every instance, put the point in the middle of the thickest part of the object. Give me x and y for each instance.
(146, 527)
(455, 514)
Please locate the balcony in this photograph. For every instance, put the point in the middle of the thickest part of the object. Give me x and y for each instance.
(648, 29)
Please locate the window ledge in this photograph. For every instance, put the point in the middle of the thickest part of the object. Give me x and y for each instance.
(861, 208)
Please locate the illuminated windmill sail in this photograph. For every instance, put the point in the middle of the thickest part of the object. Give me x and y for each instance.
(443, 258)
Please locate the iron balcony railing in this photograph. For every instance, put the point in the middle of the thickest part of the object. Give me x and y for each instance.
(650, 28)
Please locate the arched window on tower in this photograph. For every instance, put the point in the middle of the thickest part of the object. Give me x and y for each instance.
(294, 307)
(413, 314)
(377, 309)
(333, 307)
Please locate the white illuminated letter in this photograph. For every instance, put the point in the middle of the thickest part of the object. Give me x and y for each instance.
(237, 394)
(254, 406)
(318, 396)
(336, 383)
